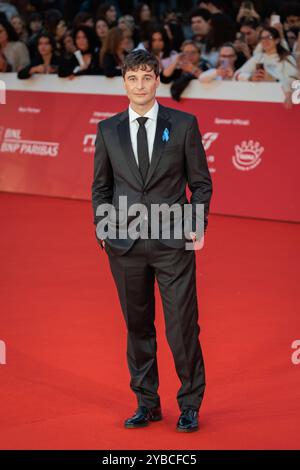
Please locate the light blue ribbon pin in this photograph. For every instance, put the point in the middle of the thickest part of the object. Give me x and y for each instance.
(165, 136)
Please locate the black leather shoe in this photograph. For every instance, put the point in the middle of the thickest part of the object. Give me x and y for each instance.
(142, 417)
(188, 420)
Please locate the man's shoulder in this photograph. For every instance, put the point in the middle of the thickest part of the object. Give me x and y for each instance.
(181, 116)
(111, 121)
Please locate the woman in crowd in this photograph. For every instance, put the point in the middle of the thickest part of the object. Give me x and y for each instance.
(14, 52)
(83, 18)
(60, 32)
(101, 30)
(127, 24)
(35, 23)
(142, 13)
(228, 63)
(46, 61)
(173, 27)
(144, 22)
(159, 45)
(85, 60)
(222, 29)
(55, 25)
(113, 52)
(19, 26)
(35, 27)
(67, 45)
(274, 63)
(107, 11)
(187, 66)
(188, 61)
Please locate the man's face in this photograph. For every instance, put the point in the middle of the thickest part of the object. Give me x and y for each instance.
(251, 35)
(141, 85)
(199, 26)
(293, 21)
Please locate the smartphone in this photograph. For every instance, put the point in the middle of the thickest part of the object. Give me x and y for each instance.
(241, 37)
(224, 63)
(275, 19)
(260, 66)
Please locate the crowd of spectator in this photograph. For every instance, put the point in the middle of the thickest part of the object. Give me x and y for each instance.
(206, 40)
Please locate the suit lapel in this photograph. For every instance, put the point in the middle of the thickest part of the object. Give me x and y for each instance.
(159, 144)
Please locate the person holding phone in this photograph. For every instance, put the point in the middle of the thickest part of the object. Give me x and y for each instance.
(247, 38)
(274, 63)
(227, 64)
(187, 66)
(188, 60)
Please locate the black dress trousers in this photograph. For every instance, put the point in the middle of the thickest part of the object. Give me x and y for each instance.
(134, 274)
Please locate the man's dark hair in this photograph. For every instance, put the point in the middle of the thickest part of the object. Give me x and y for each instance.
(140, 59)
(216, 3)
(289, 9)
(203, 12)
(250, 22)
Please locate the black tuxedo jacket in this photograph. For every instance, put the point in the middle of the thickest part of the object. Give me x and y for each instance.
(175, 163)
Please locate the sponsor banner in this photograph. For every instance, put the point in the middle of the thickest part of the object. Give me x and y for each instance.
(47, 146)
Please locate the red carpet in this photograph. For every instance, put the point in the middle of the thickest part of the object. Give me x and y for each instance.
(66, 384)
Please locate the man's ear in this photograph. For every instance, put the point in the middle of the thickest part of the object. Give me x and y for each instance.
(157, 81)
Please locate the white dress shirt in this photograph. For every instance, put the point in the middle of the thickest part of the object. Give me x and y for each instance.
(150, 126)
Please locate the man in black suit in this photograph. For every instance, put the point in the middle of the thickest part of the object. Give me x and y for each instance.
(148, 154)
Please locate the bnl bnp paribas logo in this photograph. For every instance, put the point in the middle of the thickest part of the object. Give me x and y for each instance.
(2, 352)
(2, 92)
